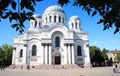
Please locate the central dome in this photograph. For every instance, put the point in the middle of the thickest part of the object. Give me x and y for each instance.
(54, 8)
(54, 15)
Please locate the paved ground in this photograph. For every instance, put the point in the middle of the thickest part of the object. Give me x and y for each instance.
(99, 71)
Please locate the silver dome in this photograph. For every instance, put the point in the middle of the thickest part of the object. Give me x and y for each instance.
(54, 8)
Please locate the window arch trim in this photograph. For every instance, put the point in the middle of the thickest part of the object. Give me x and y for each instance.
(55, 18)
(79, 51)
(21, 53)
(59, 19)
(34, 50)
(57, 41)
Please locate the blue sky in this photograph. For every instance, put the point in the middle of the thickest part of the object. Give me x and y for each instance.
(98, 37)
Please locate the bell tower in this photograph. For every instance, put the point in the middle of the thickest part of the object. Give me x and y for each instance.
(35, 24)
(74, 23)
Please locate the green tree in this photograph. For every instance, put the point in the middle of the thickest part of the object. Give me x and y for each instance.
(118, 56)
(6, 54)
(1, 55)
(104, 52)
(96, 56)
(21, 11)
(109, 10)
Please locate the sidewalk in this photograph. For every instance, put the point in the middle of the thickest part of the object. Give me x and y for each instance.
(98, 71)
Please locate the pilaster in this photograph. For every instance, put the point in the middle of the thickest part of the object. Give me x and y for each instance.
(13, 55)
(46, 54)
(69, 57)
(50, 55)
(73, 56)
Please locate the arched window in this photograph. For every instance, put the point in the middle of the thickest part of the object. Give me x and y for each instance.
(46, 19)
(57, 41)
(63, 20)
(79, 52)
(35, 24)
(54, 18)
(59, 19)
(50, 18)
(34, 50)
(76, 25)
(72, 26)
(21, 53)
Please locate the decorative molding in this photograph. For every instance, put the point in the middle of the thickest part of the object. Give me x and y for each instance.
(87, 45)
(33, 59)
(68, 44)
(46, 44)
(14, 48)
(19, 60)
(80, 59)
(25, 45)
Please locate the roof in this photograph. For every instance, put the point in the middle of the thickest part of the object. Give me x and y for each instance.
(54, 8)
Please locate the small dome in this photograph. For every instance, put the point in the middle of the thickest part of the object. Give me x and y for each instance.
(75, 18)
(54, 8)
(36, 16)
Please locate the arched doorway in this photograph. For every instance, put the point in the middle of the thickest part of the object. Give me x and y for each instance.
(57, 60)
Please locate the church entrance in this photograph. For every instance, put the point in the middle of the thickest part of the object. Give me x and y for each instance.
(57, 60)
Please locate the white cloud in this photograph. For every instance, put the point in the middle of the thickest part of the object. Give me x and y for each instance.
(115, 41)
(95, 42)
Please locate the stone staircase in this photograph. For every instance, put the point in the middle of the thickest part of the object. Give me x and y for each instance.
(67, 66)
(57, 66)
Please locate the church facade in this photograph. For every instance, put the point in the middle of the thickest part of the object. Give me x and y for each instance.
(49, 41)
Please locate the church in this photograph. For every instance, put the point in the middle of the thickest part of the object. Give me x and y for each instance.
(50, 41)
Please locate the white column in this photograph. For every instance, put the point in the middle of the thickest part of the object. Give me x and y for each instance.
(45, 54)
(28, 55)
(24, 54)
(13, 57)
(69, 61)
(42, 54)
(65, 55)
(87, 55)
(57, 18)
(73, 56)
(52, 19)
(49, 54)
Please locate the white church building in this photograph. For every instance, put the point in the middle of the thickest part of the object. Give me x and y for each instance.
(49, 41)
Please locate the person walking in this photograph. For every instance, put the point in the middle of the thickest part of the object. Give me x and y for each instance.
(113, 68)
(116, 67)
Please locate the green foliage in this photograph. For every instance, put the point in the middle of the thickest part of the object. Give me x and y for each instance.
(21, 11)
(6, 54)
(96, 56)
(1, 55)
(62, 2)
(104, 52)
(118, 56)
(109, 10)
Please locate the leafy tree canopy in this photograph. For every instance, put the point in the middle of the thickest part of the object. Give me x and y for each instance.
(104, 52)
(118, 56)
(21, 10)
(109, 10)
(6, 54)
(96, 54)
